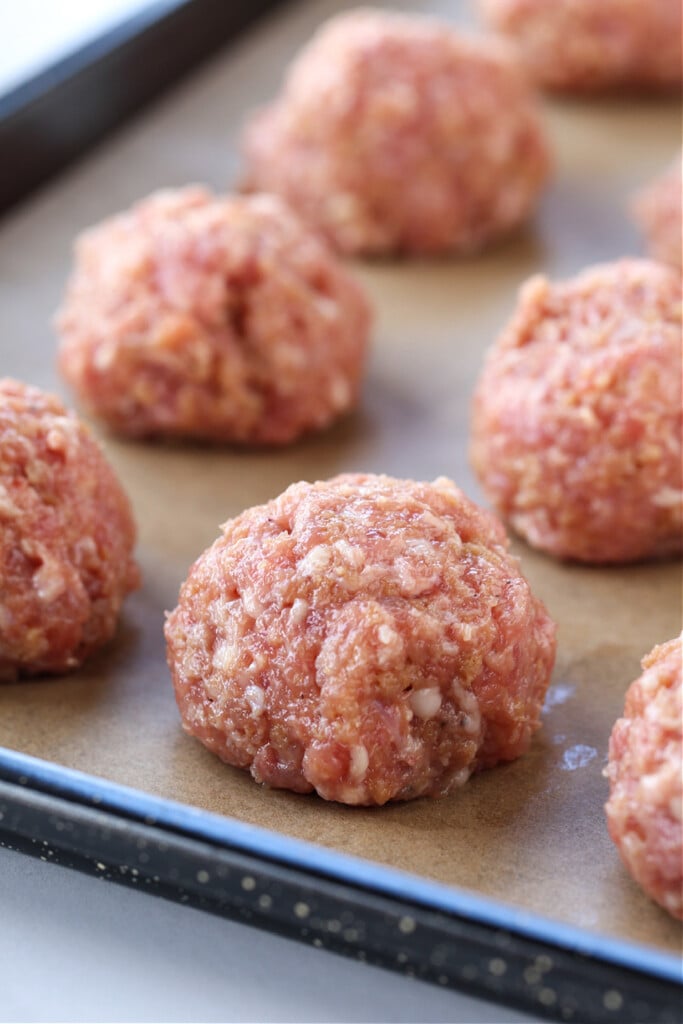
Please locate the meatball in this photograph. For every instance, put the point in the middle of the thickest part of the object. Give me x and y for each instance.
(657, 209)
(367, 638)
(219, 319)
(396, 134)
(66, 537)
(576, 432)
(593, 45)
(646, 785)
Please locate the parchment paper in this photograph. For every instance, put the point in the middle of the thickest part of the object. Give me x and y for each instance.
(531, 833)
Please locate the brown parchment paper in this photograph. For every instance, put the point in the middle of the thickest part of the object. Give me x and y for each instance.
(532, 833)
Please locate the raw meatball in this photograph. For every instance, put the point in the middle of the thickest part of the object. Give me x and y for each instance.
(646, 781)
(367, 638)
(576, 433)
(221, 319)
(397, 134)
(657, 208)
(593, 45)
(66, 537)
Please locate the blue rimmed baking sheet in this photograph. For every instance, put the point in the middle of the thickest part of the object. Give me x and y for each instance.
(516, 866)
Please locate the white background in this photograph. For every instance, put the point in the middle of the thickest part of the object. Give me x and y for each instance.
(76, 948)
(34, 33)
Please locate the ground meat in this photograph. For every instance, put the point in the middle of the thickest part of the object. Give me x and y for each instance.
(66, 537)
(367, 638)
(576, 433)
(397, 134)
(593, 45)
(646, 781)
(657, 208)
(220, 319)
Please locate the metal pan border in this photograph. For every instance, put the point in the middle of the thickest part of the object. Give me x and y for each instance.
(331, 900)
(53, 118)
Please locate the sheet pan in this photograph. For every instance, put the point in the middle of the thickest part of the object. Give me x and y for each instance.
(527, 838)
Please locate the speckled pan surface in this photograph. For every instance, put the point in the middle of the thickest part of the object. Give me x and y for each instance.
(531, 834)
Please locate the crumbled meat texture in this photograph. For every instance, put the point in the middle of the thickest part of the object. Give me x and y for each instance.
(66, 537)
(657, 209)
(397, 134)
(645, 772)
(220, 319)
(576, 433)
(593, 45)
(367, 638)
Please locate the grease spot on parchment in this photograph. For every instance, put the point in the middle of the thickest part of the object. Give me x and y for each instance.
(578, 757)
(556, 695)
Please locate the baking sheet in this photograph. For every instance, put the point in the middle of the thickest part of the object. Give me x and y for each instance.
(530, 834)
